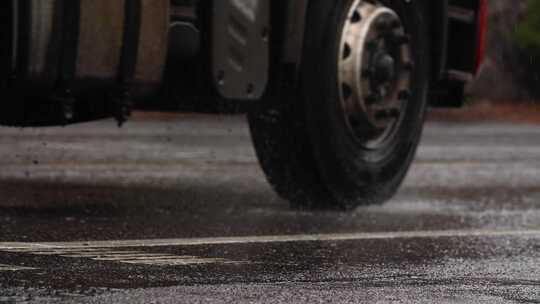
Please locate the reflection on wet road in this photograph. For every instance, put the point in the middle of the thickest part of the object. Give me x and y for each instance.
(179, 211)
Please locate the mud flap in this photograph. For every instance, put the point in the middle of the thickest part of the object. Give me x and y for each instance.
(240, 47)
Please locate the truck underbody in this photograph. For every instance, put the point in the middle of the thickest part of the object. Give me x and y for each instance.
(69, 61)
(184, 50)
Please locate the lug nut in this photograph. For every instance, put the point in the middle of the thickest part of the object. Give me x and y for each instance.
(404, 95)
(367, 73)
(408, 66)
(382, 25)
(371, 45)
(402, 39)
(393, 112)
(354, 121)
(395, 24)
(372, 99)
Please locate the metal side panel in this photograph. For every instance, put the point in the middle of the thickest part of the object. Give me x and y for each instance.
(36, 42)
(7, 45)
(100, 41)
(51, 45)
(439, 37)
(153, 41)
(296, 11)
(240, 47)
(42, 21)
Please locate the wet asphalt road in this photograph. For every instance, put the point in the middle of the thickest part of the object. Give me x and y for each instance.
(178, 211)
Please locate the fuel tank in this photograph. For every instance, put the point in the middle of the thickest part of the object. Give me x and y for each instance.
(77, 47)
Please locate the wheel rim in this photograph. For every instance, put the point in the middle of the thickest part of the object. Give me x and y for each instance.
(374, 72)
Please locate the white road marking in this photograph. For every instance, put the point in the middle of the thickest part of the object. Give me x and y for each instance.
(109, 250)
(14, 268)
(99, 254)
(65, 250)
(362, 236)
(185, 262)
(125, 257)
(144, 258)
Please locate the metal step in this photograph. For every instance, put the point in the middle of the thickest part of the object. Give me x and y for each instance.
(459, 75)
(461, 14)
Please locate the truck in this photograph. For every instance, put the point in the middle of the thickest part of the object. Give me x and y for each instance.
(335, 91)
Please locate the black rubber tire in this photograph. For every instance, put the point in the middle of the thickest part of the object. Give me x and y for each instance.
(301, 138)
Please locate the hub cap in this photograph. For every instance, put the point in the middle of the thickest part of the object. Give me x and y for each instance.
(374, 68)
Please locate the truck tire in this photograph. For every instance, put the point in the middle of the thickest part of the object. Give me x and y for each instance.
(346, 133)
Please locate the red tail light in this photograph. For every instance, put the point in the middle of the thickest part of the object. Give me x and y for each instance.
(482, 33)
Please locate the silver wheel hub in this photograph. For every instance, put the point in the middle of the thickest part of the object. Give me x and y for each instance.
(374, 71)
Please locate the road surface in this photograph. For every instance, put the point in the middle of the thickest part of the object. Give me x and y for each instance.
(178, 211)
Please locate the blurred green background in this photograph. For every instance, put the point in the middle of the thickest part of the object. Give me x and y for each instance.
(511, 72)
(527, 30)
